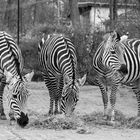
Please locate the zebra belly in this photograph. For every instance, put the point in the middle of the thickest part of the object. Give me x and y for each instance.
(129, 79)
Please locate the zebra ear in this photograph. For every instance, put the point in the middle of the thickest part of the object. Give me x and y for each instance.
(8, 76)
(109, 42)
(115, 36)
(106, 36)
(48, 36)
(42, 42)
(29, 76)
(66, 79)
(82, 80)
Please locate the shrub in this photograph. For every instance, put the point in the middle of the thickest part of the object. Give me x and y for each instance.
(82, 42)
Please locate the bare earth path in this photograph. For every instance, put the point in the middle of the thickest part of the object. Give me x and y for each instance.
(90, 101)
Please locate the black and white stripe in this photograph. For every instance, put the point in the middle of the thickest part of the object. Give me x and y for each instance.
(11, 65)
(121, 61)
(59, 63)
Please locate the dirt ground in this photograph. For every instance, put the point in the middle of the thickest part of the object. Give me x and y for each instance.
(90, 101)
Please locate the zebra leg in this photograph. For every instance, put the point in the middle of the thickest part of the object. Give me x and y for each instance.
(136, 90)
(113, 101)
(138, 100)
(49, 83)
(51, 106)
(58, 97)
(137, 93)
(51, 99)
(2, 86)
(104, 97)
(56, 107)
(59, 103)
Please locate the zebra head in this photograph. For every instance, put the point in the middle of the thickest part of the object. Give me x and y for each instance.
(18, 95)
(70, 94)
(113, 54)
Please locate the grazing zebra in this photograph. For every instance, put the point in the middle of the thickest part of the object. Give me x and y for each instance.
(118, 62)
(11, 65)
(59, 63)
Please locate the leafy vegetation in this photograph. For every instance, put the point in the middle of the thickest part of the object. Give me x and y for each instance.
(39, 17)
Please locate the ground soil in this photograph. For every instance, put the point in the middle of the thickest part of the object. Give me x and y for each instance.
(90, 101)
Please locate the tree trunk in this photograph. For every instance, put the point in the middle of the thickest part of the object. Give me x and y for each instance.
(113, 13)
(2, 12)
(75, 18)
(74, 14)
(10, 15)
(138, 5)
(34, 12)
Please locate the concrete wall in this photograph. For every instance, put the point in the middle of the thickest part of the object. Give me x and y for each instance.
(96, 16)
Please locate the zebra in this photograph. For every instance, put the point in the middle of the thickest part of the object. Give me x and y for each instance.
(112, 62)
(58, 61)
(11, 66)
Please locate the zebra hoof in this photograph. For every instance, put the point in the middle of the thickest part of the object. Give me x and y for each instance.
(3, 117)
(60, 112)
(56, 112)
(105, 117)
(12, 122)
(50, 113)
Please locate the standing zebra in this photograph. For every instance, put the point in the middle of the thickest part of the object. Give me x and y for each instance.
(120, 63)
(59, 64)
(11, 65)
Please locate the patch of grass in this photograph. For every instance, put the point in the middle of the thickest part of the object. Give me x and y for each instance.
(95, 119)
(121, 121)
(54, 123)
(134, 123)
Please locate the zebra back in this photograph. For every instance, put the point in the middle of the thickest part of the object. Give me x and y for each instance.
(53, 52)
(14, 52)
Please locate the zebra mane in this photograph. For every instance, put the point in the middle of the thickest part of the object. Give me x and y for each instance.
(74, 76)
(17, 66)
(72, 59)
(118, 37)
(115, 35)
(15, 59)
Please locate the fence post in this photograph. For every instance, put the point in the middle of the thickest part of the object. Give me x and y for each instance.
(18, 16)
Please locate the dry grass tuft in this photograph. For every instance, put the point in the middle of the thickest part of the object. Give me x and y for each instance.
(134, 123)
(121, 121)
(95, 119)
(54, 122)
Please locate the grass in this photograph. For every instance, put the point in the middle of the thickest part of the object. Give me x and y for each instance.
(95, 119)
(121, 121)
(53, 122)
